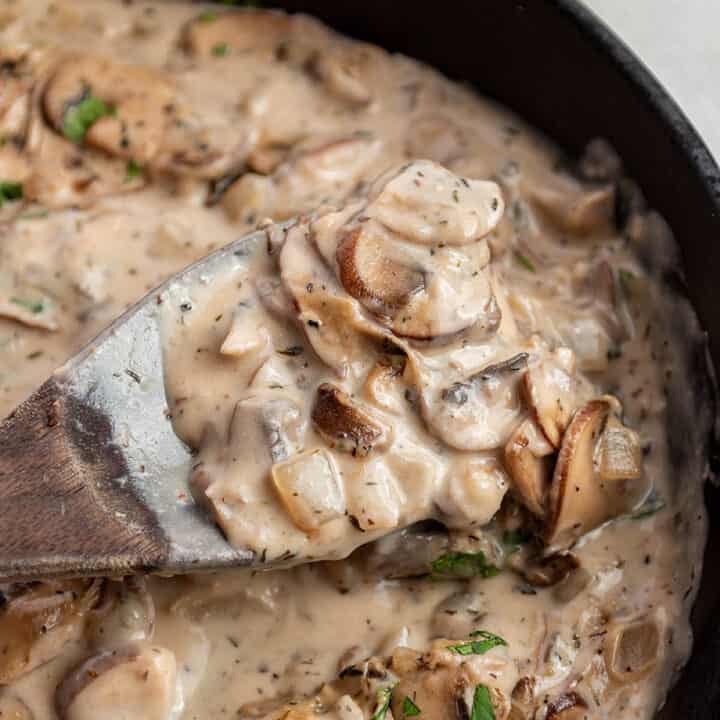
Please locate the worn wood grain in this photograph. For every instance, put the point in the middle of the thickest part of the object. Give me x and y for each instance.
(62, 510)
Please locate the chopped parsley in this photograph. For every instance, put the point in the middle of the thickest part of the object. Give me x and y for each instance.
(33, 306)
(484, 641)
(525, 261)
(10, 191)
(454, 565)
(384, 696)
(132, 170)
(409, 708)
(220, 50)
(208, 16)
(81, 116)
(482, 708)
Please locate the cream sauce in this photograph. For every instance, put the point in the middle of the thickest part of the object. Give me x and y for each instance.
(227, 119)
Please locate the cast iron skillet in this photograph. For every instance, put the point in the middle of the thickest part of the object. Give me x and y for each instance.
(558, 66)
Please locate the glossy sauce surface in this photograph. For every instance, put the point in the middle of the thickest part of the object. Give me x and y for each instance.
(511, 304)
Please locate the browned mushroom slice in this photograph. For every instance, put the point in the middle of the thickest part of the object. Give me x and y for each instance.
(310, 489)
(528, 459)
(36, 622)
(551, 390)
(117, 108)
(569, 706)
(334, 323)
(344, 424)
(480, 412)
(383, 284)
(633, 649)
(135, 681)
(419, 295)
(429, 205)
(580, 499)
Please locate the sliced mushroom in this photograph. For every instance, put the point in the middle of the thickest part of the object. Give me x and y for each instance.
(529, 460)
(384, 387)
(340, 334)
(580, 499)
(345, 71)
(569, 706)
(37, 621)
(573, 208)
(551, 389)
(480, 412)
(344, 424)
(126, 614)
(310, 489)
(383, 284)
(429, 205)
(132, 682)
(133, 121)
(286, 37)
(633, 649)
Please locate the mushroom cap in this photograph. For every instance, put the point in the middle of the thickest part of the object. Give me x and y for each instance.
(633, 649)
(135, 681)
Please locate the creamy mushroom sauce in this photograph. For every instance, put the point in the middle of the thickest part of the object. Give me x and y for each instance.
(460, 333)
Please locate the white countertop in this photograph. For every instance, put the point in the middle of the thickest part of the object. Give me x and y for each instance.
(679, 40)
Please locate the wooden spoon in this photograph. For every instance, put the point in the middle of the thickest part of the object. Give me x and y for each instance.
(93, 479)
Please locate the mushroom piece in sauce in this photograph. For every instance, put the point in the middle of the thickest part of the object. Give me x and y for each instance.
(344, 424)
(479, 412)
(135, 681)
(37, 621)
(528, 458)
(580, 498)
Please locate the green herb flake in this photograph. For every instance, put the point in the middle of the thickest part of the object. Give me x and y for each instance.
(132, 170)
(35, 214)
(208, 16)
(525, 261)
(654, 504)
(384, 696)
(33, 306)
(513, 539)
(409, 708)
(10, 191)
(462, 565)
(81, 116)
(220, 50)
(481, 643)
(482, 708)
(627, 280)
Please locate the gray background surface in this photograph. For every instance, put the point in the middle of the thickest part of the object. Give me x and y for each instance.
(679, 40)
